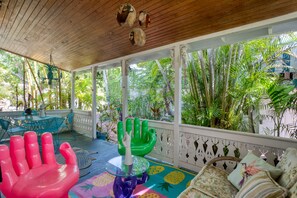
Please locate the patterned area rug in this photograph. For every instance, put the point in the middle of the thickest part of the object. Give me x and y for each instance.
(84, 160)
(164, 181)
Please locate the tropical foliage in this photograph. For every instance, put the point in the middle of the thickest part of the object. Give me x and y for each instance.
(27, 83)
(109, 101)
(151, 90)
(224, 85)
(282, 97)
(83, 90)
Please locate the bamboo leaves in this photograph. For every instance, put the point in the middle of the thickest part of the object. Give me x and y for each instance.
(227, 83)
(282, 98)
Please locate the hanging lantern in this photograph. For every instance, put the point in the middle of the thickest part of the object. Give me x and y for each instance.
(126, 15)
(52, 74)
(137, 37)
(144, 19)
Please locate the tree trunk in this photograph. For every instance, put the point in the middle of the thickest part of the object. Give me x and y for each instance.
(167, 102)
(106, 86)
(211, 68)
(35, 81)
(24, 86)
(251, 120)
(195, 89)
(168, 88)
(226, 83)
(17, 97)
(60, 90)
(205, 82)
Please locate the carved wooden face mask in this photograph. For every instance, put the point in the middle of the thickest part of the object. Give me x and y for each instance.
(144, 19)
(126, 15)
(137, 37)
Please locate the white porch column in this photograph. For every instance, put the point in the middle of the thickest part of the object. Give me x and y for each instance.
(72, 90)
(94, 102)
(177, 101)
(124, 91)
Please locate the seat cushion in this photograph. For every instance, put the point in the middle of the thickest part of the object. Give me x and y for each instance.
(213, 181)
(293, 191)
(192, 192)
(261, 185)
(288, 164)
(248, 166)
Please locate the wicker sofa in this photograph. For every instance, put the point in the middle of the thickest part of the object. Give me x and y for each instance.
(261, 182)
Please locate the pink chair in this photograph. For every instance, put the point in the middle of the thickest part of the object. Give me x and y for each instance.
(25, 175)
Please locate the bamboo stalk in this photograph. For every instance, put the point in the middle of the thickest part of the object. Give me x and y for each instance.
(60, 89)
(24, 86)
(205, 82)
(35, 81)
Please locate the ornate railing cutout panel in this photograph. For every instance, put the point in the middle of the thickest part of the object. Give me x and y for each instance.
(82, 123)
(164, 147)
(198, 145)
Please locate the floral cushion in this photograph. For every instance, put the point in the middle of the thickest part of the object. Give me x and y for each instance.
(261, 185)
(192, 192)
(288, 164)
(248, 166)
(213, 181)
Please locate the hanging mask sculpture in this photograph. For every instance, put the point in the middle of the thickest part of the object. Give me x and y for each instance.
(137, 37)
(144, 19)
(126, 15)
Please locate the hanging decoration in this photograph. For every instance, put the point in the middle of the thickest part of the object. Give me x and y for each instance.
(144, 19)
(52, 73)
(137, 37)
(126, 16)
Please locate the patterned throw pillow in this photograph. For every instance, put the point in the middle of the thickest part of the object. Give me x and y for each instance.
(288, 164)
(249, 166)
(261, 185)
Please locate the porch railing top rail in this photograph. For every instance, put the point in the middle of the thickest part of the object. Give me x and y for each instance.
(241, 136)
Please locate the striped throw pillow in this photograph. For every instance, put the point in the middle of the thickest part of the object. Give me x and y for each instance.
(261, 185)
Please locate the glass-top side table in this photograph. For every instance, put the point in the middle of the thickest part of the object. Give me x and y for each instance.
(127, 176)
(116, 166)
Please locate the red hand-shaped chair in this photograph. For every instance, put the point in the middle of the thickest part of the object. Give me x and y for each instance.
(25, 175)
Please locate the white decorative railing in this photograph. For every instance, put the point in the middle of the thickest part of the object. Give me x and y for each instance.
(198, 145)
(82, 122)
(13, 114)
(82, 119)
(164, 146)
(10, 114)
(62, 113)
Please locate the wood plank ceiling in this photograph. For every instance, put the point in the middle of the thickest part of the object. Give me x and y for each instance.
(84, 32)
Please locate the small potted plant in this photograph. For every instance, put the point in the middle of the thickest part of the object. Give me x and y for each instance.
(107, 121)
